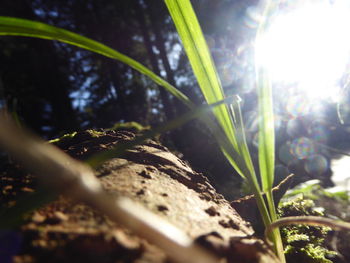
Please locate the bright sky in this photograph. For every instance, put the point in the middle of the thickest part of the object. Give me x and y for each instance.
(309, 46)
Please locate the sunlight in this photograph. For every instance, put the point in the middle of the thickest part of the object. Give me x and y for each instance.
(308, 46)
(340, 168)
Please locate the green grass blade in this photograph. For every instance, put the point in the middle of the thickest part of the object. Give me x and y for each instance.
(267, 151)
(266, 118)
(244, 152)
(266, 131)
(240, 134)
(265, 107)
(198, 112)
(201, 61)
(23, 27)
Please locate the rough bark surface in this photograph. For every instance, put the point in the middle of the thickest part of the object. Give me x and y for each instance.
(63, 231)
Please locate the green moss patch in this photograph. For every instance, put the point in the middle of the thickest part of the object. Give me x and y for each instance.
(304, 244)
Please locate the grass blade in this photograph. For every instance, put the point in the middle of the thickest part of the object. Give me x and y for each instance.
(240, 134)
(266, 132)
(244, 152)
(10, 26)
(265, 107)
(118, 151)
(201, 61)
(266, 128)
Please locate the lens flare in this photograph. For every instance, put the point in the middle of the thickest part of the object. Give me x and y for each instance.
(285, 155)
(298, 106)
(316, 164)
(223, 59)
(309, 46)
(302, 148)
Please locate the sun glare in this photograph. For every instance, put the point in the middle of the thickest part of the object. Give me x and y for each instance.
(308, 46)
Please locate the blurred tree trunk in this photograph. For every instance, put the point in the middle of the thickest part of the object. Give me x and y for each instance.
(41, 67)
(140, 16)
(160, 42)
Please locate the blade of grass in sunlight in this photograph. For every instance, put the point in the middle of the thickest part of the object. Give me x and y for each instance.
(266, 131)
(240, 133)
(23, 27)
(204, 69)
(244, 151)
(121, 148)
(267, 151)
(201, 61)
(203, 66)
(266, 128)
(265, 107)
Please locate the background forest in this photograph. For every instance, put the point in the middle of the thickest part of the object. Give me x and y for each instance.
(55, 88)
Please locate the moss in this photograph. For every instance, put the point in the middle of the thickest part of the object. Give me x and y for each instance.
(293, 237)
(95, 134)
(304, 244)
(65, 137)
(310, 253)
(132, 125)
(69, 136)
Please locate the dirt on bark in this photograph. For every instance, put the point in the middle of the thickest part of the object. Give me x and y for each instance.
(64, 231)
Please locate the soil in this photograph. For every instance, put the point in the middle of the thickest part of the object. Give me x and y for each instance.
(64, 231)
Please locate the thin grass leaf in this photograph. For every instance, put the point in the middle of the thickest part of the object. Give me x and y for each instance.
(201, 61)
(240, 134)
(119, 150)
(265, 107)
(244, 152)
(266, 132)
(267, 151)
(266, 129)
(10, 26)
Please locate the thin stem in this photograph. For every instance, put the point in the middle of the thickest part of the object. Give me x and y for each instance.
(307, 220)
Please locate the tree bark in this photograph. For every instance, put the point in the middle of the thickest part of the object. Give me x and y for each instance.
(63, 231)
